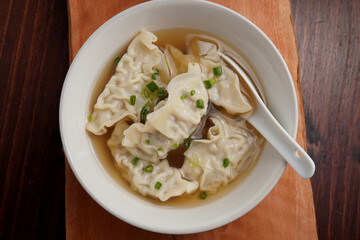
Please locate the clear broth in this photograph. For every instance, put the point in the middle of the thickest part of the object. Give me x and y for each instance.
(175, 37)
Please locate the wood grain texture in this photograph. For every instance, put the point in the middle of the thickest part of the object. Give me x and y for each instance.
(328, 34)
(288, 211)
(33, 64)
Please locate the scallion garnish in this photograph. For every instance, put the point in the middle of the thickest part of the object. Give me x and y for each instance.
(161, 92)
(135, 160)
(152, 86)
(208, 84)
(147, 141)
(212, 81)
(159, 149)
(203, 195)
(192, 92)
(149, 168)
(89, 118)
(148, 103)
(158, 185)
(145, 92)
(117, 60)
(187, 142)
(143, 113)
(155, 75)
(217, 71)
(175, 145)
(182, 97)
(132, 100)
(153, 95)
(226, 162)
(200, 104)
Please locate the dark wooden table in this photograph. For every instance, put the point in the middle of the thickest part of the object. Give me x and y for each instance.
(33, 65)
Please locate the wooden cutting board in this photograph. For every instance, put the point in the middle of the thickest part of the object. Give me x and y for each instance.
(286, 213)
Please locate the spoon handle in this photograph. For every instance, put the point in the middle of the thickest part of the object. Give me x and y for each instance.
(269, 127)
(283, 143)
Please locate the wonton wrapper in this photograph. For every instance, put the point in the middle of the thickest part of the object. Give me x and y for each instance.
(226, 92)
(143, 182)
(132, 74)
(170, 123)
(178, 118)
(226, 139)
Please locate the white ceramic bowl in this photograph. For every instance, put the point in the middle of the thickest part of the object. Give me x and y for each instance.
(93, 58)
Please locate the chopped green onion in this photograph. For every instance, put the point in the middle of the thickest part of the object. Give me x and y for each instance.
(187, 142)
(149, 168)
(203, 195)
(155, 75)
(132, 100)
(182, 97)
(194, 162)
(143, 113)
(159, 148)
(192, 92)
(208, 84)
(117, 60)
(212, 81)
(147, 141)
(226, 162)
(148, 103)
(217, 71)
(158, 185)
(89, 118)
(175, 145)
(200, 104)
(161, 92)
(135, 160)
(153, 95)
(145, 93)
(152, 86)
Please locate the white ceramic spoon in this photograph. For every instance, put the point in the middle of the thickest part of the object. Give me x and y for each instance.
(268, 126)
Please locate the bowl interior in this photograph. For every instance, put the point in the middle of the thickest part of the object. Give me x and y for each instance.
(96, 54)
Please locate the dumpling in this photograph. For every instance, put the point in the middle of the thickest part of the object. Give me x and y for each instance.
(157, 179)
(146, 142)
(132, 73)
(173, 121)
(179, 117)
(226, 91)
(227, 138)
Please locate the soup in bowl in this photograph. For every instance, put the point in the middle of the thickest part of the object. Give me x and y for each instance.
(155, 135)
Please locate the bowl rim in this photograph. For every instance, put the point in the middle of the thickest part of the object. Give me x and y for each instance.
(97, 32)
